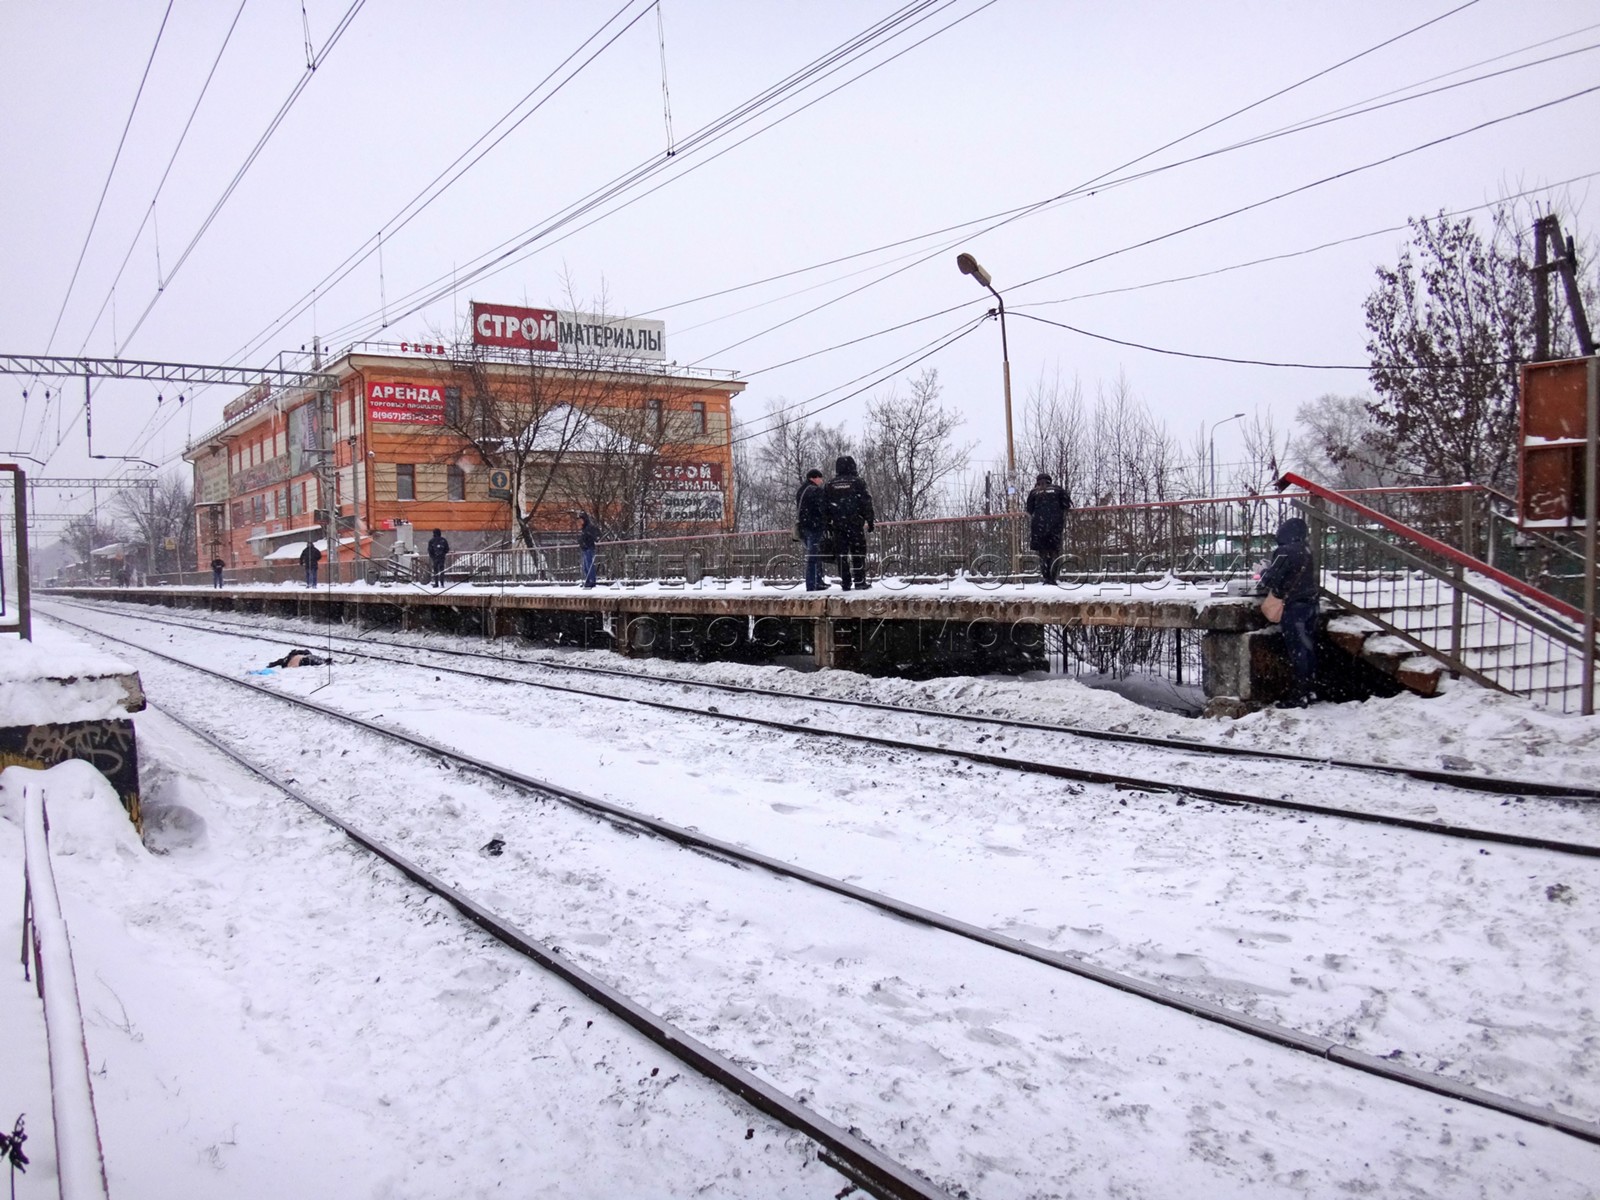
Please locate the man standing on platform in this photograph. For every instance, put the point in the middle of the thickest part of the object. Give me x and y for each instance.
(438, 547)
(811, 524)
(588, 539)
(1047, 516)
(216, 572)
(309, 558)
(850, 519)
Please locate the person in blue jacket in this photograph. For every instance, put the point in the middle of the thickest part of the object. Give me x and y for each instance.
(588, 538)
(1292, 577)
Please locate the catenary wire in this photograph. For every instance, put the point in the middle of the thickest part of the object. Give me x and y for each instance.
(506, 254)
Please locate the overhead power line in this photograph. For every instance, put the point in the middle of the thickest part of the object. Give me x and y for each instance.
(249, 161)
(151, 208)
(106, 187)
(836, 60)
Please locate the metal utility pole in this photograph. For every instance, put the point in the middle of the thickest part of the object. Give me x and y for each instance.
(327, 472)
(1591, 515)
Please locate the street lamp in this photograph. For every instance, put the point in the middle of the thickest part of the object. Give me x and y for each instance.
(969, 266)
(1213, 444)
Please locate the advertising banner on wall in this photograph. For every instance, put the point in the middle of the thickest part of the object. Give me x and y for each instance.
(412, 403)
(558, 331)
(689, 492)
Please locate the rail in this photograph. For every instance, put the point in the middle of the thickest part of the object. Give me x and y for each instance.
(1475, 618)
(80, 1163)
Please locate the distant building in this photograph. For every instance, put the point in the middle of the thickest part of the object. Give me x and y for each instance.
(492, 443)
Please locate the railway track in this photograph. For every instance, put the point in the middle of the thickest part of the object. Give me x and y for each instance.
(1268, 1032)
(1463, 782)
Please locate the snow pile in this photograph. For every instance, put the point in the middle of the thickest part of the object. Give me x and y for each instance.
(54, 679)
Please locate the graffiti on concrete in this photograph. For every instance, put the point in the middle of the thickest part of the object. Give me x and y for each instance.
(108, 746)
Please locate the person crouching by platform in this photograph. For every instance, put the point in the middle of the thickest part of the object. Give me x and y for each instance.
(811, 526)
(1047, 507)
(438, 547)
(850, 518)
(309, 558)
(1292, 577)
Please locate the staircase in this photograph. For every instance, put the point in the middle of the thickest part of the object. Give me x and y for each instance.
(1415, 607)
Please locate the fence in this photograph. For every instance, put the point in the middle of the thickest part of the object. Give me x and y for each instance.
(1479, 620)
(80, 1165)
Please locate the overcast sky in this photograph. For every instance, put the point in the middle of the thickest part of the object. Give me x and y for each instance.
(990, 106)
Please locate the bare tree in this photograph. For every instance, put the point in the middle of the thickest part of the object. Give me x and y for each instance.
(910, 449)
(778, 460)
(84, 534)
(1266, 450)
(1056, 434)
(1340, 445)
(162, 519)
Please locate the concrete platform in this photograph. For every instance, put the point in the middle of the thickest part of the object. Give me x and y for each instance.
(894, 627)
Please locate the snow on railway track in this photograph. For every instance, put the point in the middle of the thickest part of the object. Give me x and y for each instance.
(765, 1021)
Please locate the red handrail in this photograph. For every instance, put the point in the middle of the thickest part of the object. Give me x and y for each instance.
(1460, 557)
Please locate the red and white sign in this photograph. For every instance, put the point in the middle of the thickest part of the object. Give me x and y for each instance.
(572, 333)
(514, 328)
(413, 403)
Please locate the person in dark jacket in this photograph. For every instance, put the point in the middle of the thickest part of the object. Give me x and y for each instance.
(309, 558)
(848, 505)
(1047, 516)
(811, 524)
(1292, 577)
(216, 572)
(588, 538)
(438, 547)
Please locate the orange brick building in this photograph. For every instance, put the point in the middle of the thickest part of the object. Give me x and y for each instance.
(485, 446)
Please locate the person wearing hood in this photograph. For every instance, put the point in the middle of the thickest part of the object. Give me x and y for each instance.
(1047, 516)
(850, 518)
(438, 548)
(1292, 577)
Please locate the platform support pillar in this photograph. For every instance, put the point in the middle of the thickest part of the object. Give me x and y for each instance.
(822, 641)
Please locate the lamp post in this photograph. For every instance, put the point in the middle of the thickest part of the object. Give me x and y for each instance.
(969, 266)
(1213, 445)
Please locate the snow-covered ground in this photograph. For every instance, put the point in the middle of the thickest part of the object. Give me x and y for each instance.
(257, 986)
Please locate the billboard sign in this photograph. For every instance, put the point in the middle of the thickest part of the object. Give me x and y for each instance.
(689, 492)
(557, 331)
(412, 403)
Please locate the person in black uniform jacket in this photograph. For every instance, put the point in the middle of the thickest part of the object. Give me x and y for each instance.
(1292, 577)
(1047, 517)
(309, 558)
(438, 547)
(850, 518)
(216, 572)
(811, 525)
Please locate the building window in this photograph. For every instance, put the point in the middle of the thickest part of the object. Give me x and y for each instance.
(258, 508)
(405, 482)
(698, 411)
(452, 408)
(456, 479)
(654, 409)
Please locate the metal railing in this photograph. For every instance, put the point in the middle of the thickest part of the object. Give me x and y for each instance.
(80, 1163)
(1476, 619)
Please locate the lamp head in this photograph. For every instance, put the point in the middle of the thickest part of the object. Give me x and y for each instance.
(969, 266)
